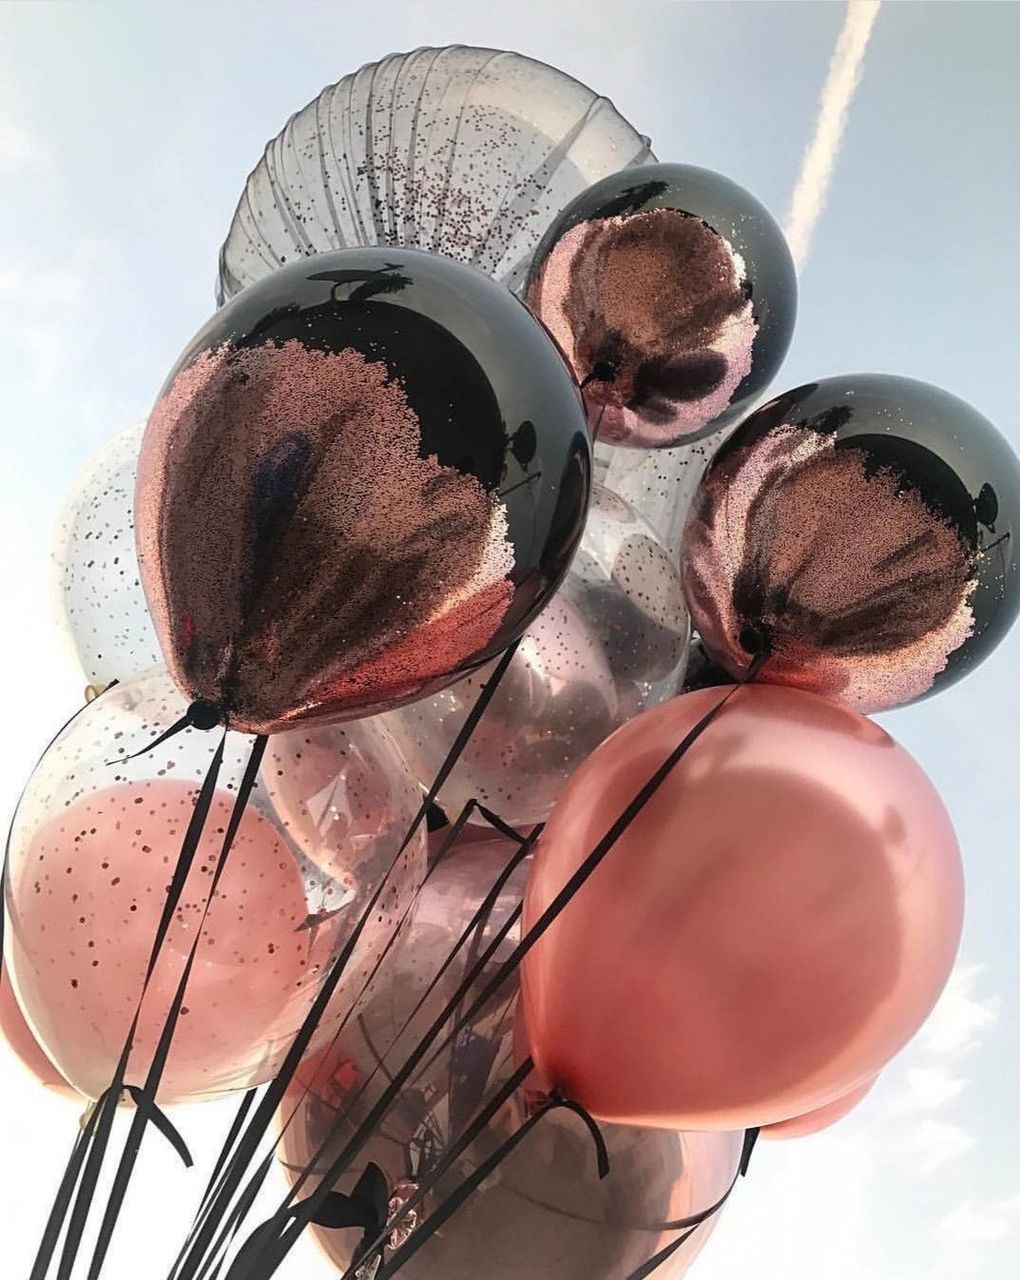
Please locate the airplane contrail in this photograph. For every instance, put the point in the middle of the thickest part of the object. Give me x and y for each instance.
(809, 194)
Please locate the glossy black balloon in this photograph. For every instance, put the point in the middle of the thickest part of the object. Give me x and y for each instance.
(365, 476)
(673, 293)
(863, 529)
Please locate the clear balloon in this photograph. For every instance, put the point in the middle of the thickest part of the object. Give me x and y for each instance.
(17, 1035)
(772, 927)
(94, 844)
(545, 1212)
(97, 579)
(364, 477)
(465, 152)
(673, 294)
(612, 642)
(864, 530)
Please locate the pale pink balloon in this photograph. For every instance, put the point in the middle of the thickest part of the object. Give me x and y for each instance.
(770, 930)
(84, 901)
(21, 1041)
(823, 1118)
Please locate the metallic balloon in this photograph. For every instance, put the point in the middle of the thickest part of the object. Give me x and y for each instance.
(465, 152)
(365, 476)
(544, 1212)
(770, 929)
(94, 844)
(97, 581)
(612, 642)
(863, 529)
(673, 294)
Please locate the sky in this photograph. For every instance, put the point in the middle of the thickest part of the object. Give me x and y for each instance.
(126, 132)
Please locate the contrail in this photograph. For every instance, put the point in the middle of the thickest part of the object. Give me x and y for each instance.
(833, 105)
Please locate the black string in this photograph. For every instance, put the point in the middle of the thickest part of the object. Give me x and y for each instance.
(107, 1107)
(248, 1143)
(157, 1066)
(222, 1240)
(457, 1198)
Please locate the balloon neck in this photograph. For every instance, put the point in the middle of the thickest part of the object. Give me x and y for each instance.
(205, 715)
(755, 640)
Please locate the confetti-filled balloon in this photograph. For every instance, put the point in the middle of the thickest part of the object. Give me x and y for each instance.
(365, 476)
(864, 529)
(772, 927)
(101, 597)
(93, 848)
(545, 1212)
(466, 152)
(612, 642)
(673, 294)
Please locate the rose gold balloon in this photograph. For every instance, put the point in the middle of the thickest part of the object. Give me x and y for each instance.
(22, 1043)
(545, 1212)
(768, 932)
(823, 1118)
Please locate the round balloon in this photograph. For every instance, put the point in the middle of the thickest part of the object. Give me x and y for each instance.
(365, 476)
(823, 1118)
(20, 1039)
(612, 642)
(461, 151)
(772, 927)
(545, 1212)
(97, 581)
(94, 844)
(864, 530)
(673, 294)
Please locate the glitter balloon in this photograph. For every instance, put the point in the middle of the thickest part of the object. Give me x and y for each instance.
(612, 642)
(97, 580)
(465, 152)
(93, 847)
(22, 1043)
(545, 1212)
(864, 530)
(673, 294)
(365, 476)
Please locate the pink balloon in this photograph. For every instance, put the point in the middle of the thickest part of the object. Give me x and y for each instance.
(84, 903)
(823, 1118)
(22, 1043)
(768, 932)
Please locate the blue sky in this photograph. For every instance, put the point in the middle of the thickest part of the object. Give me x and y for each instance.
(126, 132)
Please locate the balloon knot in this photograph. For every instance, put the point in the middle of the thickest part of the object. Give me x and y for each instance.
(204, 715)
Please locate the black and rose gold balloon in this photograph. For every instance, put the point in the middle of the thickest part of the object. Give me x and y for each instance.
(673, 294)
(861, 531)
(365, 476)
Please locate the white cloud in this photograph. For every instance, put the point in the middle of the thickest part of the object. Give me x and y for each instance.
(960, 1018)
(974, 1223)
(812, 187)
(931, 1087)
(929, 1144)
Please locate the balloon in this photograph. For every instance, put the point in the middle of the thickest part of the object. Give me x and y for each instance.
(93, 847)
(673, 294)
(19, 1038)
(100, 595)
(612, 642)
(768, 932)
(345, 797)
(864, 528)
(465, 152)
(365, 476)
(823, 1118)
(544, 1212)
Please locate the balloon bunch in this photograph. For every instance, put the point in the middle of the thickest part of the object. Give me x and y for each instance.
(386, 591)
